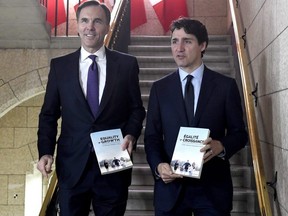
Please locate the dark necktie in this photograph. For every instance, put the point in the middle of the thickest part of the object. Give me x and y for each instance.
(189, 99)
(93, 86)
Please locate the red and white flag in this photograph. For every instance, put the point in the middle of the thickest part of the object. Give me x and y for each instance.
(169, 10)
(109, 3)
(76, 4)
(138, 14)
(52, 14)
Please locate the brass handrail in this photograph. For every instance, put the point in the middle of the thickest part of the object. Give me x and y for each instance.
(49, 194)
(263, 197)
(116, 17)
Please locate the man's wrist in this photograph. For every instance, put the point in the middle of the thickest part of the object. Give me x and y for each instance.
(222, 154)
(157, 175)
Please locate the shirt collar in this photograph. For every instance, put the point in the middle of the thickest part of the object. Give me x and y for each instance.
(99, 53)
(198, 73)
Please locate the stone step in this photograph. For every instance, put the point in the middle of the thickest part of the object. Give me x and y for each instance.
(168, 61)
(154, 73)
(157, 73)
(139, 213)
(146, 84)
(141, 198)
(165, 50)
(242, 176)
(151, 213)
(164, 40)
(243, 157)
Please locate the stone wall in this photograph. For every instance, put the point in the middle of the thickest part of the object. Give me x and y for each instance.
(18, 153)
(23, 74)
(266, 24)
(23, 78)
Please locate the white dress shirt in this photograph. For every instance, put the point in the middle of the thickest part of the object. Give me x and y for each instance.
(196, 82)
(84, 64)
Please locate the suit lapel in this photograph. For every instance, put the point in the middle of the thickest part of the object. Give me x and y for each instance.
(73, 69)
(176, 96)
(206, 90)
(111, 78)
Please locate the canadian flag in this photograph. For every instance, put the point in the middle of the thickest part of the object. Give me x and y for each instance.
(62, 6)
(52, 14)
(138, 14)
(76, 3)
(169, 10)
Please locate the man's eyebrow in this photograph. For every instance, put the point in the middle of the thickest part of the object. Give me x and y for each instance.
(186, 38)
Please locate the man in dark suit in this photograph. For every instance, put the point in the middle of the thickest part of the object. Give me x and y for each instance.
(217, 106)
(119, 106)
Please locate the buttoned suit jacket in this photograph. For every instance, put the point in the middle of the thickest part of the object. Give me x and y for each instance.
(219, 109)
(120, 107)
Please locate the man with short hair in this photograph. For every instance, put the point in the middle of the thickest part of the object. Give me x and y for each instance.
(118, 104)
(216, 105)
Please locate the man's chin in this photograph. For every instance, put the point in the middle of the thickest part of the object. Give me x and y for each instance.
(181, 64)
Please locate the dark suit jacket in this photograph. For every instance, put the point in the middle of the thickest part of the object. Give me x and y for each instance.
(219, 109)
(120, 107)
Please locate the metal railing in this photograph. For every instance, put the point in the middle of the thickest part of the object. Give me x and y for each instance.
(117, 16)
(263, 198)
(49, 194)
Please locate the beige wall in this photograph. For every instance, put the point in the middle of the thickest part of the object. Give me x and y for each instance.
(18, 153)
(23, 74)
(23, 78)
(267, 38)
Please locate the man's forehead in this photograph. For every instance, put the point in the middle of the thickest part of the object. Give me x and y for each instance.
(178, 33)
(92, 10)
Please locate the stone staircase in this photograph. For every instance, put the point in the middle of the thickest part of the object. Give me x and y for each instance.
(155, 61)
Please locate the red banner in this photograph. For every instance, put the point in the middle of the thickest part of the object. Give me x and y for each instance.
(169, 10)
(51, 12)
(138, 14)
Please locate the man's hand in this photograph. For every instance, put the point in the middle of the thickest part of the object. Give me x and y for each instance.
(166, 173)
(128, 143)
(212, 148)
(44, 165)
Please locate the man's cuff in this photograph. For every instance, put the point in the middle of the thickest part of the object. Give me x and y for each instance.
(222, 154)
(157, 175)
